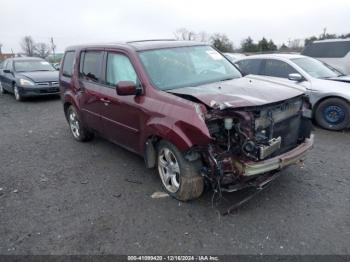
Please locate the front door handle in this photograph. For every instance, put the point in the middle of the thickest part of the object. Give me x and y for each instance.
(105, 101)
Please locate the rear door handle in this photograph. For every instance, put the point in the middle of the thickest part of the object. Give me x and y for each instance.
(105, 101)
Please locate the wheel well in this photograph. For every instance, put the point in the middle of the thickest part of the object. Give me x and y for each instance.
(66, 105)
(323, 99)
(150, 152)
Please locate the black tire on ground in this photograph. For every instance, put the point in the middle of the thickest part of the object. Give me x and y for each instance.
(17, 94)
(2, 90)
(320, 116)
(83, 133)
(191, 184)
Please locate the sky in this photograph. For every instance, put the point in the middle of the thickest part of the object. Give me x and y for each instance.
(83, 21)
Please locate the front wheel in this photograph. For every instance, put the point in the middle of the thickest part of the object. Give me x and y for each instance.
(333, 114)
(17, 94)
(180, 178)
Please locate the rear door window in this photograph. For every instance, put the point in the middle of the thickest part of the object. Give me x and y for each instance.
(91, 66)
(249, 66)
(328, 49)
(277, 68)
(68, 64)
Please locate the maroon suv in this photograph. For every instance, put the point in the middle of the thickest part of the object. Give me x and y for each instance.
(188, 111)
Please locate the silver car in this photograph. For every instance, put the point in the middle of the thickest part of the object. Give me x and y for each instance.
(335, 52)
(327, 88)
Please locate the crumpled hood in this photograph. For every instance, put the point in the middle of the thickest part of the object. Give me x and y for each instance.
(242, 92)
(41, 76)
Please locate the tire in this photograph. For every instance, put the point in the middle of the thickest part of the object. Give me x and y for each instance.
(180, 178)
(79, 132)
(17, 94)
(2, 90)
(333, 114)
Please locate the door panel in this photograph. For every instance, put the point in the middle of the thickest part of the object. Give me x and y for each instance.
(91, 105)
(90, 72)
(121, 115)
(121, 118)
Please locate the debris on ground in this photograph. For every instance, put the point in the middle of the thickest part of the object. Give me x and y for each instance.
(117, 195)
(159, 195)
(133, 181)
(44, 179)
(15, 191)
(84, 182)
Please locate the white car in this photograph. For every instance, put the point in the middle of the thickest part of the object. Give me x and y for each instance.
(328, 90)
(335, 52)
(234, 56)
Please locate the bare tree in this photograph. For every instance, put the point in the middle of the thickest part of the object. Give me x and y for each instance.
(184, 34)
(28, 45)
(0, 48)
(42, 50)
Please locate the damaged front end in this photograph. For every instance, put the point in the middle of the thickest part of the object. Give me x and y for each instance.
(250, 144)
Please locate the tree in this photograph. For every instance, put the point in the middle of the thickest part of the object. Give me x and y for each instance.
(42, 50)
(263, 45)
(283, 48)
(0, 48)
(28, 45)
(222, 42)
(184, 34)
(248, 45)
(271, 46)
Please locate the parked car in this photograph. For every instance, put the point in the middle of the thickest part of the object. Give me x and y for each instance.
(329, 95)
(25, 76)
(56, 66)
(234, 56)
(335, 52)
(187, 110)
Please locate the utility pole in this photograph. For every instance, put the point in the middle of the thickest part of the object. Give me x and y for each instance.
(53, 47)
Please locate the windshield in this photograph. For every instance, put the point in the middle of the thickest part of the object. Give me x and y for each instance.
(315, 68)
(33, 65)
(186, 66)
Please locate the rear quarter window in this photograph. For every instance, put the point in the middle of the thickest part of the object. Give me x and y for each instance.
(68, 64)
(328, 49)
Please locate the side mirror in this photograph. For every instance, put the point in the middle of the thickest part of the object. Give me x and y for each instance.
(296, 77)
(7, 71)
(126, 88)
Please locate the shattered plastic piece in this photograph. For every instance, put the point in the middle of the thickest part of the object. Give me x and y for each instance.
(159, 195)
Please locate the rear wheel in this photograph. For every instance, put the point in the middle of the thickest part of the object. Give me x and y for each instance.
(180, 178)
(333, 114)
(79, 132)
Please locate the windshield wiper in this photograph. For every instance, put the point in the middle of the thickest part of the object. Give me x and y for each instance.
(227, 79)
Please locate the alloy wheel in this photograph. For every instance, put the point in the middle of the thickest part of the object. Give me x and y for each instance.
(169, 170)
(17, 95)
(74, 124)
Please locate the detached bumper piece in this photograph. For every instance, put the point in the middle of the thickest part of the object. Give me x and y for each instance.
(276, 163)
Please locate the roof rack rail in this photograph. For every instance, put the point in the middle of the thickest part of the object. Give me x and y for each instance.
(150, 40)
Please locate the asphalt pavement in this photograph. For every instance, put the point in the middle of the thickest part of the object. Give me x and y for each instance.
(59, 196)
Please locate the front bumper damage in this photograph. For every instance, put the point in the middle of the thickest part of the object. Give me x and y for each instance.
(252, 168)
(231, 174)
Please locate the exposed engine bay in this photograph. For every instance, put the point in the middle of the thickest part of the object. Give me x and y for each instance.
(253, 134)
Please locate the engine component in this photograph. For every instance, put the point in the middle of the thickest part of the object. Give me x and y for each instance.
(274, 145)
(228, 123)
